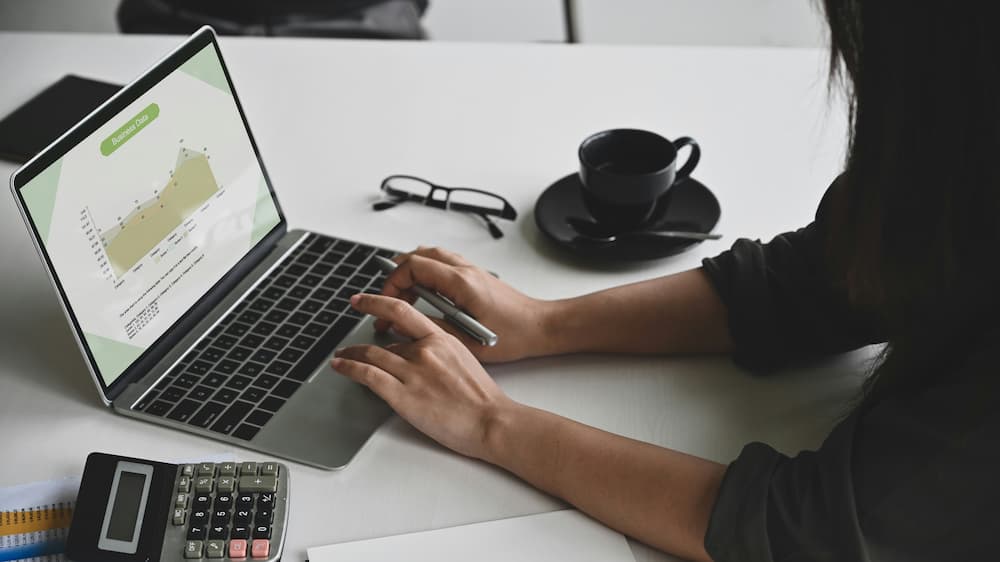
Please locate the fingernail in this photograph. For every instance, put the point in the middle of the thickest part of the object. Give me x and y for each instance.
(355, 298)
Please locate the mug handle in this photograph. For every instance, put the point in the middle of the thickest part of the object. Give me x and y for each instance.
(693, 158)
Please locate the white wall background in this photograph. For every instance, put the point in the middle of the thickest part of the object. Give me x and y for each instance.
(683, 22)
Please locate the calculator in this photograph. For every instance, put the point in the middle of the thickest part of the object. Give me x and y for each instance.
(136, 510)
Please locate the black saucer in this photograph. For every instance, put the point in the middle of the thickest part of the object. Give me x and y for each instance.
(692, 207)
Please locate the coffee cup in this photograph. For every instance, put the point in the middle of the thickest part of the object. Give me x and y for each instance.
(627, 173)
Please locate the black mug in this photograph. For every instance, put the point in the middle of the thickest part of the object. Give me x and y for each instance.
(627, 173)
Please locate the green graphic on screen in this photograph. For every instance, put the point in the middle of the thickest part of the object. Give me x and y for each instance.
(146, 214)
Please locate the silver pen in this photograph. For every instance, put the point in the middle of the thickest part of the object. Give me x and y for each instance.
(451, 313)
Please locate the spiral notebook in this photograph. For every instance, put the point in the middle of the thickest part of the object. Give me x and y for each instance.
(558, 535)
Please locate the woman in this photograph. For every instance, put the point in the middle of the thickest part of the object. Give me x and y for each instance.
(902, 250)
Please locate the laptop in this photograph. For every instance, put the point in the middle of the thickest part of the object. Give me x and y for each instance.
(193, 303)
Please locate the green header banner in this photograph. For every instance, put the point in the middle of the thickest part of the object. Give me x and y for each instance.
(130, 129)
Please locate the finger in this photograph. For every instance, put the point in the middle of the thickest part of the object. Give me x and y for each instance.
(380, 382)
(405, 319)
(384, 326)
(429, 273)
(376, 356)
(441, 255)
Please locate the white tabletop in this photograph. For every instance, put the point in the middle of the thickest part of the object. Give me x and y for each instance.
(331, 119)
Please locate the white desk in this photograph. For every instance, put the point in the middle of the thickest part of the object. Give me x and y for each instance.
(333, 118)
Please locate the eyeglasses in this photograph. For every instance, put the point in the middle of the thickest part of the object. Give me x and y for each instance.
(483, 204)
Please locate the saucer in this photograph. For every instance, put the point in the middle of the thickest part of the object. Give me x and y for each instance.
(692, 207)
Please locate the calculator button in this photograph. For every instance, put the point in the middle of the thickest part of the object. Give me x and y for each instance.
(223, 502)
(258, 483)
(199, 518)
(182, 500)
(202, 502)
(269, 468)
(241, 517)
(220, 532)
(203, 484)
(260, 548)
(188, 470)
(226, 484)
(240, 532)
(179, 516)
(244, 501)
(262, 531)
(192, 549)
(220, 518)
(264, 517)
(238, 548)
(266, 501)
(183, 484)
(206, 469)
(248, 468)
(227, 469)
(196, 534)
(215, 549)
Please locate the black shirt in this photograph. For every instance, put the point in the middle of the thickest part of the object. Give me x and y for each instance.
(912, 477)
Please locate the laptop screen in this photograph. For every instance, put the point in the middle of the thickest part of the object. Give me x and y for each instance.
(147, 213)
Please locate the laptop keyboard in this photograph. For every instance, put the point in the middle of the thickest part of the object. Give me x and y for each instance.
(257, 357)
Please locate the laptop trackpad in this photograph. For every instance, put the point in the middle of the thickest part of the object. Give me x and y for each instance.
(330, 417)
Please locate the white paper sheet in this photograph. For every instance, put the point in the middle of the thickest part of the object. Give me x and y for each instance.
(559, 535)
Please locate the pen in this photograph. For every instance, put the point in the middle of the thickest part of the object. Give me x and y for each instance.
(452, 313)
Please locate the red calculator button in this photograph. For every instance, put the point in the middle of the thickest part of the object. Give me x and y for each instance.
(237, 548)
(260, 548)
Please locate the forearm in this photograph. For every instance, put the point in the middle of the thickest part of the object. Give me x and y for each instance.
(659, 496)
(679, 313)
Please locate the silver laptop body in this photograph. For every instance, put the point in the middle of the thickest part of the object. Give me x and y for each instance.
(154, 248)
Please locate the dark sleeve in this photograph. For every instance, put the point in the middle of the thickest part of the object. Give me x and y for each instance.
(911, 479)
(782, 301)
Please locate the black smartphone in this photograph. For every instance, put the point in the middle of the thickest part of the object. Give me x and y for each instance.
(42, 119)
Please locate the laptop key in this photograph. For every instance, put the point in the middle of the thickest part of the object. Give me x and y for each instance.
(214, 380)
(186, 381)
(278, 368)
(272, 404)
(264, 328)
(159, 408)
(286, 388)
(276, 316)
(173, 394)
(207, 414)
(266, 381)
(291, 355)
(313, 329)
(249, 317)
(287, 303)
(227, 367)
(273, 293)
(299, 292)
(321, 269)
(263, 356)
(233, 415)
(250, 368)
(307, 258)
(321, 244)
(275, 343)
(212, 354)
(261, 305)
(303, 342)
(201, 393)
(322, 294)
(225, 342)
(145, 401)
(299, 318)
(238, 382)
(288, 331)
(246, 432)
(254, 394)
(183, 411)
(334, 282)
(252, 341)
(259, 417)
(284, 281)
(237, 329)
(326, 317)
(199, 367)
(318, 353)
(296, 269)
(239, 353)
(225, 395)
(311, 306)
(310, 280)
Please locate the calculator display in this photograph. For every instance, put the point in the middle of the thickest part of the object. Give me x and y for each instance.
(126, 507)
(125, 512)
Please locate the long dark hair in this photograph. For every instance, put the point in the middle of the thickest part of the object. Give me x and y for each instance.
(918, 235)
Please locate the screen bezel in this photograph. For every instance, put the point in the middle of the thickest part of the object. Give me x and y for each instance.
(116, 545)
(202, 38)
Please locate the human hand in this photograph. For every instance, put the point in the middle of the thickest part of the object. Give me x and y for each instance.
(433, 382)
(520, 322)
